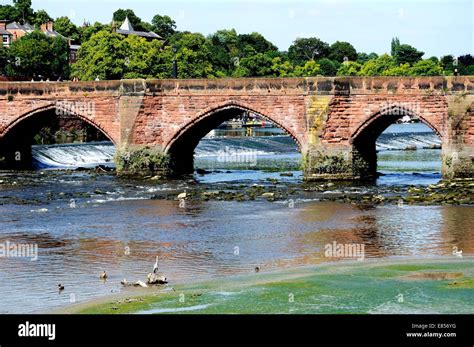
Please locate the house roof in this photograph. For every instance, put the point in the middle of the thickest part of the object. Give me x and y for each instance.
(127, 29)
(148, 34)
(4, 32)
(126, 25)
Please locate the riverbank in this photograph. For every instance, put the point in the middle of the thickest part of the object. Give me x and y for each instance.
(388, 286)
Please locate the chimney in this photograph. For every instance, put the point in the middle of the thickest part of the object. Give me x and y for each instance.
(3, 25)
(43, 27)
(49, 26)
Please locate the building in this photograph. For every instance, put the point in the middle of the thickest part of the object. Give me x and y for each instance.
(12, 31)
(7, 37)
(127, 29)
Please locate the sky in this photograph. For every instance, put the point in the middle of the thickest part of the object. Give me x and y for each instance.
(436, 27)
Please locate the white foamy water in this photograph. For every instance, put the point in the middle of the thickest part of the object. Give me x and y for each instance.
(74, 155)
(396, 137)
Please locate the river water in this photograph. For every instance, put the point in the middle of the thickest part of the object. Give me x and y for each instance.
(84, 223)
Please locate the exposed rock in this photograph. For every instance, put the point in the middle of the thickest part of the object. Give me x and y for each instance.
(156, 279)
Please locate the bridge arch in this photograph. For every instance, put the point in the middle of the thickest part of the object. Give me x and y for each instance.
(17, 136)
(53, 107)
(182, 145)
(363, 139)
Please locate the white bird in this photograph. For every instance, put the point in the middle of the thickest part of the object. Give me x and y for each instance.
(456, 252)
(155, 267)
(72, 203)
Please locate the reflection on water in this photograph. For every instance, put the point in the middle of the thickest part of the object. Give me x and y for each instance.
(200, 241)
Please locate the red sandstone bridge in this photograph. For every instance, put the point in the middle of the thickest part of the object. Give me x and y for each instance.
(334, 121)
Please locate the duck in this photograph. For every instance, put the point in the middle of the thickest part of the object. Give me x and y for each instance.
(60, 287)
(456, 252)
(103, 275)
(72, 203)
(257, 269)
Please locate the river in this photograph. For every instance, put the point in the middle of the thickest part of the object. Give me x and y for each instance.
(84, 223)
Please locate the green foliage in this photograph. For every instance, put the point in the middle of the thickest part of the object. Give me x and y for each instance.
(350, 68)
(340, 50)
(143, 160)
(4, 56)
(119, 16)
(401, 70)
(257, 65)
(249, 44)
(394, 46)
(103, 56)
(89, 30)
(362, 58)
(309, 69)
(407, 54)
(282, 68)
(65, 27)
(305, 49)
(193, 55)
(41, 17)
(9, 12)
(35, 54)
(163, 25)
(426, 68)
(328, 67)
(24, 11)
(375, 67)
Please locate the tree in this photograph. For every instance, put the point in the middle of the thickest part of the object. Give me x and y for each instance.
(282, 68)
(223, 51)
(103, 56)
(327, 67)
(309, 69)
(401, 70)
(4, 57)
(466, 64)
(447, 63)
(407, 54)
(9, 12)
(119, 16)
(87, 31)
(142, 59)
(163, 25)
(193, 55)
(24, 10)
(466, 60)
(350, 68)
(375, 67)
(65, 27)
(257, 65)
(426, 68)
(362, 58)
(305, 49)
(36, 54)
(394, 46)
(249, 44)
(340, 50)
(41, 17)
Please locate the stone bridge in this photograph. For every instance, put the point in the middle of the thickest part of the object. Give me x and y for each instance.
(334, 121)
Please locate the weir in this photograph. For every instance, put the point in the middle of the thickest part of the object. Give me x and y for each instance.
(156, 124)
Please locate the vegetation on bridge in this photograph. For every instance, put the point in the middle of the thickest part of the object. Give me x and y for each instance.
(108, 55)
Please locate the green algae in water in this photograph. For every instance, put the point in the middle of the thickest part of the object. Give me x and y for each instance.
(358, 288)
